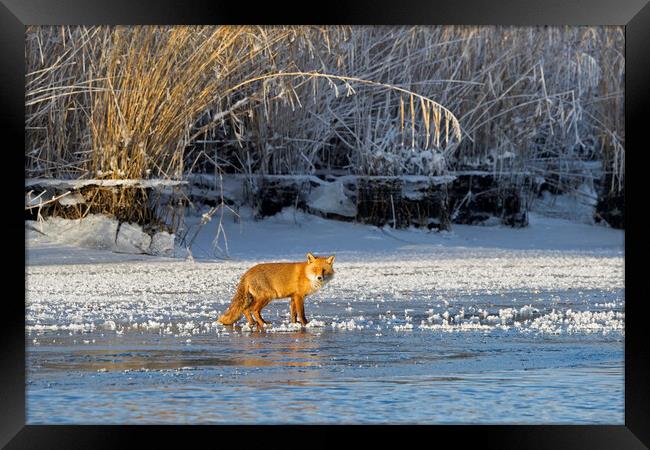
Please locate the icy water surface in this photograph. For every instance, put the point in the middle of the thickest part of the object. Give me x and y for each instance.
(327, 376)
(532, 338)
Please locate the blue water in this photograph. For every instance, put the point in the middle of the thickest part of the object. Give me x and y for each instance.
(326, 375)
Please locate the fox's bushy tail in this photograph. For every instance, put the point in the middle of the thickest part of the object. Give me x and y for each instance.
(236, 308)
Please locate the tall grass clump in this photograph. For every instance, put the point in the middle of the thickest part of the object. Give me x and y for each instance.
(143, 94)
(118, 103)
(146, 102)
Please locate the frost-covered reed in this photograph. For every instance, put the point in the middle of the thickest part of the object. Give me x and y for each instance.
(160, 102)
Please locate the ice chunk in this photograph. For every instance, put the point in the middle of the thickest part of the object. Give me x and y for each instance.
(528, 312)
(131, 239)
(162, 244)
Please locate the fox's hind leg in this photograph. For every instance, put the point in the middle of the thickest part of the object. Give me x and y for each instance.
(247, 313)
(258, 315)
(257, 311)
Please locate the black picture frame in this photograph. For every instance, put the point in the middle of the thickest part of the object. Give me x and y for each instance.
(16, 14)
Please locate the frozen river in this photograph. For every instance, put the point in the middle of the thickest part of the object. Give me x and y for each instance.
(427, 331)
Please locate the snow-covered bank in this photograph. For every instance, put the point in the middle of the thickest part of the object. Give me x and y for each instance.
(291, 233)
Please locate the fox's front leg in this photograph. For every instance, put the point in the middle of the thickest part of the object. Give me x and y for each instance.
(300, 307)
(292, 308)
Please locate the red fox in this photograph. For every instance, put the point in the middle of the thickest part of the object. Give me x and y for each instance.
(269, 281)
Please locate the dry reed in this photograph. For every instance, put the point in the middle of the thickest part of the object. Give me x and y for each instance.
(159, 102)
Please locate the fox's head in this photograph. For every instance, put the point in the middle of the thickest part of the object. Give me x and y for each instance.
(319, 269)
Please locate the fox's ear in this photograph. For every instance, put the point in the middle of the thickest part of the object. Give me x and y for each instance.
(330, 260)
(310, 257)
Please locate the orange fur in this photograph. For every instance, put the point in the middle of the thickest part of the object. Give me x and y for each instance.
(270, 281)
